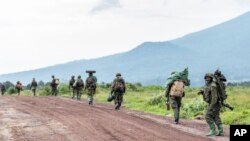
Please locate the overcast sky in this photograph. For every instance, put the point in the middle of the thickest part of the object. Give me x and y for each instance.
(39, 33)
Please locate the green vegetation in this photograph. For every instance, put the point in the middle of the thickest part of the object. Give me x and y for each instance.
(151, 99)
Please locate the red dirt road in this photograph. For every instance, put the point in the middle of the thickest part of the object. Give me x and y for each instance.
(63, 119)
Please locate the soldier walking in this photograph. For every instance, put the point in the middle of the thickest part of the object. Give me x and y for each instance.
(54, 84)
(71, 86)
(18, 87)
(118, 88)
(91, 86)
(33, 86)
(79, 85)
(210, 95)
(2, 88)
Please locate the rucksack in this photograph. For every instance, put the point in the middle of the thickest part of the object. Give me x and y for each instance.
(79, 83)
(71, 82)
(177, 89)
(91, 82)
(119, 85)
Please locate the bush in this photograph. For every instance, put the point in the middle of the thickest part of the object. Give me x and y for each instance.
(193, 108)
(11, 90)
(44, 91)
(156, 99)
(63, 88)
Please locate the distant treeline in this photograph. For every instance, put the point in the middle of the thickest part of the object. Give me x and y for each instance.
(246, 83)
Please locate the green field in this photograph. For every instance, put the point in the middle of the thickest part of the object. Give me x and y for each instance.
(151, 99)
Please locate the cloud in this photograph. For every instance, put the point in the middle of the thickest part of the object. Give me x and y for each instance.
(105, 5)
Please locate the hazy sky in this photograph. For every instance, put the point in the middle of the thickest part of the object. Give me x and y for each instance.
(39, 33)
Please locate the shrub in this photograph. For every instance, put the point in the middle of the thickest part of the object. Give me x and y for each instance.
(44, 91)
(11, 90)
(156, 99)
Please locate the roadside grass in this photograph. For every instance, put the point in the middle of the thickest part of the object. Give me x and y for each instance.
(151, 99)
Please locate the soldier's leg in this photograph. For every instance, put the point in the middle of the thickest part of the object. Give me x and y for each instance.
(210, 121)
(178, 109)
(119, 100)
(174, 106)
(218, 122)
(52, 91)
(90, 96)
(56, 91)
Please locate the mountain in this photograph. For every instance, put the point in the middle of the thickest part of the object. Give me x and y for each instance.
(225, 46)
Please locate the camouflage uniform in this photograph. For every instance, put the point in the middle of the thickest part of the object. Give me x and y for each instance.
(175, 104)
(91, 87)
(79, 87)
(33, 86)
(118, 92)
(18, 87)
(210, 95)
(53, 86)
(2, 88)
(71, 87)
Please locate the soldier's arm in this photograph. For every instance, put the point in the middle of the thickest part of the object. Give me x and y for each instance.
(214, 96)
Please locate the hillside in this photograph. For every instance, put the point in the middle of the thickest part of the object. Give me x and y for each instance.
(225, 46)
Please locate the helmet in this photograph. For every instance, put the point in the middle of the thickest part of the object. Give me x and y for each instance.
(72, 76)
(208, 75)
(118, 74)
(53, 76)
(79, 76)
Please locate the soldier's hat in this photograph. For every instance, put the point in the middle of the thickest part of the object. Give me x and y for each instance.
(118, 74)
(90, 71)
(208, 75)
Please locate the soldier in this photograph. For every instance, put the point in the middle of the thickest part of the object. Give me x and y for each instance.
(174, 94)
(18, 87)
(2, 88)
(118, 88)
(71, 87)
(79, 85)
(91, 86)
(210, 95)
(54, 85)
(33, 86)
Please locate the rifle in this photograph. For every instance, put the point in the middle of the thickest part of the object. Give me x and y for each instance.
(220, 90)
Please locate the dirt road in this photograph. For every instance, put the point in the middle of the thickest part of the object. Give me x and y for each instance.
(63, 119)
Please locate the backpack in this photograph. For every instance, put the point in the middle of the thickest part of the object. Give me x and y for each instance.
(71, 82)
(19, 86)
(91, 82)
(119, 85)
(57, 82)
(79, 83)
(177, 89)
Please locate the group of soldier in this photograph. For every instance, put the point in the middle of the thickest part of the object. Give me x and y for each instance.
(213, 93)
(76, 86)
(174, 93)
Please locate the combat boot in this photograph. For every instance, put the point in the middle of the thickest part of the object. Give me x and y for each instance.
(220, 130)
(211, 130)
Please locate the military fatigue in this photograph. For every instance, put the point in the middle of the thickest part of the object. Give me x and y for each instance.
(53, 85)
(18, 87)
(72, 88)
(118, 92)
(176, 105)
(79, 88)
(212, 116)
(91, 87)
(213, 110)
(33, 87)
(175, 102)
(2, 88)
